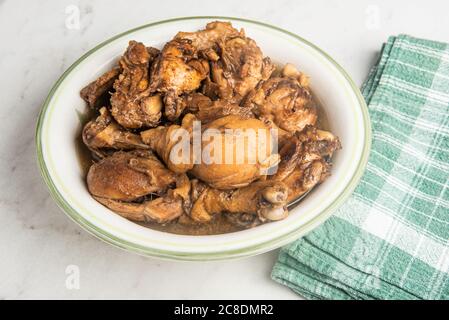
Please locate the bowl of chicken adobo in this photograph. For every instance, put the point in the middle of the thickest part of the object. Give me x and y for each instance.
(203, 138)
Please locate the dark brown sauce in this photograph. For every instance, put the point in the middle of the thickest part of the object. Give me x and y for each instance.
(85, 158)
(219, 224)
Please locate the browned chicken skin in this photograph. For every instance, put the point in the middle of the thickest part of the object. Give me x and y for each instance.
(206, 39)
(128, 176)
(167, 207)
(239, 67)
(163, 139)
(133, 103)
(284, 100)
(244, 166)
(177, 70)
(304, 179)
(304, 161)
(319, 142)
(105, 133)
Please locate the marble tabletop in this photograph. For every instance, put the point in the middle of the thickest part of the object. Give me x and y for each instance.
(42, 253)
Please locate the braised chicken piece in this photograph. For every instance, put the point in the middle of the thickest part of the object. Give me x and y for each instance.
(284, 100)
(290, 71)
(177, 70)
(167, 207)
(183, 64)
(238, 68)
(207, 39)
(237, 62)
(202, 45)
(133, 103)
(319, 142)
(94, 92)
(240, 152)
(237, 65)
(304, 160)
(207, 110)
(247, 142)
(304, 179)
(129, 175)
(105, 133)
(266, 199)
(164, 139)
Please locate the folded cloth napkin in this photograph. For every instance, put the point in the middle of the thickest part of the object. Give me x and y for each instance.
(390, 240)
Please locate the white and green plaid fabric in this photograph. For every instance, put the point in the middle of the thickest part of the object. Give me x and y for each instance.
(390, 240)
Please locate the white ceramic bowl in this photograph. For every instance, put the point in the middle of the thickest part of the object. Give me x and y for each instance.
(58, 125)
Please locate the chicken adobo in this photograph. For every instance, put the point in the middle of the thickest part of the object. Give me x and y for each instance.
(204, 136)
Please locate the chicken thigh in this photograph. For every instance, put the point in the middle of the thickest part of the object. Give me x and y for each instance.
(284, 100)
(133, 104)
(177, 70)
(167, 207)
(238, 68)
(305, 160)
(128, 176)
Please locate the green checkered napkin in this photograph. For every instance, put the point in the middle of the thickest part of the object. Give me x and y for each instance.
(390, 240)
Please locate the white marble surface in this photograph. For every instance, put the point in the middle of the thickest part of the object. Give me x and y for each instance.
(38, 242)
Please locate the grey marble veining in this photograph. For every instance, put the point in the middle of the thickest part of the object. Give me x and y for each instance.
(38, 242)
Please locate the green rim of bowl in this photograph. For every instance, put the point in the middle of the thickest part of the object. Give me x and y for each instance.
(229, 254)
